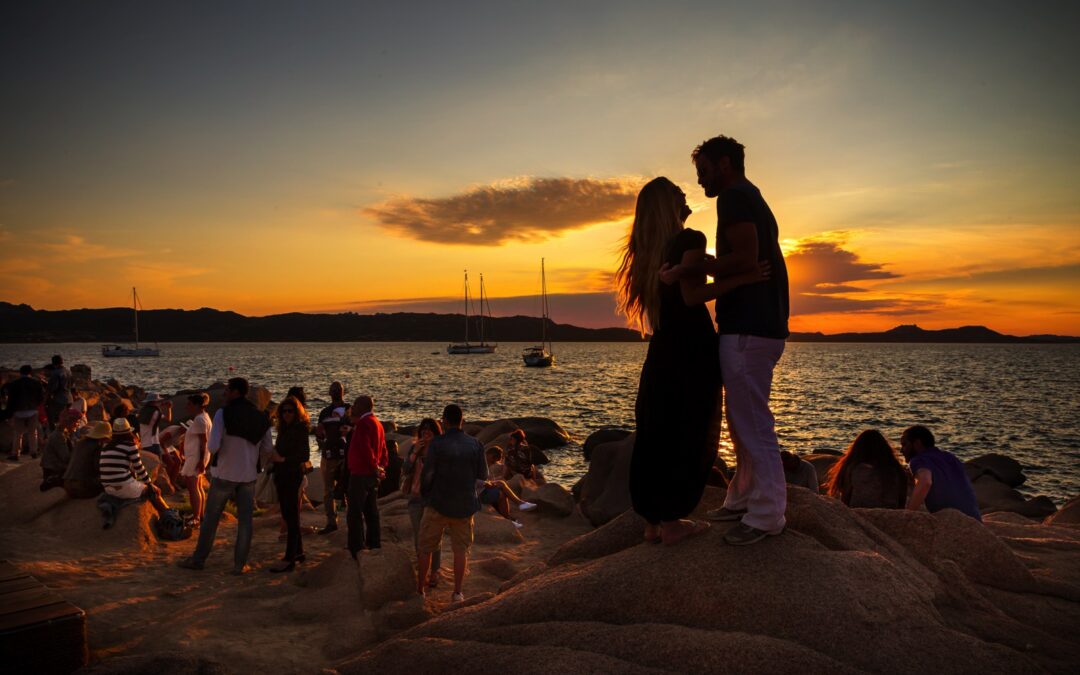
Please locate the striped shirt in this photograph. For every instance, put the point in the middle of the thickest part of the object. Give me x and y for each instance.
(119, 463)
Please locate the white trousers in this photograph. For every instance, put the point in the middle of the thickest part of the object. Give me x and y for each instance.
(746, 363)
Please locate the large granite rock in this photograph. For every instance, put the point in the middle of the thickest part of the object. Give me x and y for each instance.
(604, 491)
(1002, 467)
(1067, 515)
(540, 432)
(842, 591)
(601, 436)
(993, 495)
(551, 499)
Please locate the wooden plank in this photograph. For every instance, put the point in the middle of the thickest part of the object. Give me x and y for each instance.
(19, 584)
(9, 571)
(30, 598)
(39, 615)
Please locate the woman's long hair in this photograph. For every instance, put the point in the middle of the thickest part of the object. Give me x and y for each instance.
(656, 221)
(301, 414)
(429, 424)
(869, 447)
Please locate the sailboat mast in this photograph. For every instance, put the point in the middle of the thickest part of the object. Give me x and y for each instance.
(466, 307)
(135, 306)
(543, 303)
(481, 309)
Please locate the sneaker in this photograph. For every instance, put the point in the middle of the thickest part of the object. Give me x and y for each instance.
(190, 564)
(328, 529)
(744, 535)
(517, 524)
(457, 597)
(527, 506)
(723, 514)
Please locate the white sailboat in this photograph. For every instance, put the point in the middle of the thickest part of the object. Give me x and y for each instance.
(468, 347)
(117, 350)
(541, 356)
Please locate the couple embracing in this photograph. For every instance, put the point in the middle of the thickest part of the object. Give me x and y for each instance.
(692, 367)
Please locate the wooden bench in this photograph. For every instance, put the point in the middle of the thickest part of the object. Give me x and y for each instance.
(40, 632)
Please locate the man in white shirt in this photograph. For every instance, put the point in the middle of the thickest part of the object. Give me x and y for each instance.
(239, 436)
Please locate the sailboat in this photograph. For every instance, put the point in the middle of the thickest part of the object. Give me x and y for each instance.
(117, 350)
(468, 347)
(541, 356)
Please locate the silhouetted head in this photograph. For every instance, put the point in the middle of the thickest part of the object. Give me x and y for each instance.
(428, 429)
(494, 454)
(337, 391)
(659, 215)
(915, 440)
(719, 161)
(26, 370)
(58, 360)
(362, 405)
(236, 387)
(290, 412)
(517, 438)
(790, 461)
(452, 416)
(869, 447)
(197, 403)
(298, 394)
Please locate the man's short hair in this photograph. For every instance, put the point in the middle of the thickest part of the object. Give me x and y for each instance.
(452, 414)
(202, 399)
(239, 385)
(722, 146)
(518, 435)
(57, 360)
(26, 370)
(921, 434)
(363, 404)
(337, 389)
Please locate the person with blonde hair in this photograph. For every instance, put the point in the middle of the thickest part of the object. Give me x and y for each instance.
(291, 452)
(677, 410)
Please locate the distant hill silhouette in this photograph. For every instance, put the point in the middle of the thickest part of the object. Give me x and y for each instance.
(22, 323)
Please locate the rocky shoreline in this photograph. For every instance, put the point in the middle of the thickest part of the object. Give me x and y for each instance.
(843, 590)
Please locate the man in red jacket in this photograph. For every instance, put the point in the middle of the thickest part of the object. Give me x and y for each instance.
(367, 460)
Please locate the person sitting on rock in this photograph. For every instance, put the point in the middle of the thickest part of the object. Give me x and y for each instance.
(496, 493)
(869, 475)
(940, 480)
(121, 469)
(454, 467)
(798, 471)
(81, 480)
(154, 412)
(524, 459)
(58, 450)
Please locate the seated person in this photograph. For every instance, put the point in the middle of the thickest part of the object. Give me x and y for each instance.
(798, 471)
(81, 479)
(392, 481)
(940, 479)
(869, 475)
(523, 459)
(497, 493)
(121, 470)
(58, 449)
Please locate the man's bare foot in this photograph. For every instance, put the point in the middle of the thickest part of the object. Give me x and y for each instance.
(675, 531)
(652, 534)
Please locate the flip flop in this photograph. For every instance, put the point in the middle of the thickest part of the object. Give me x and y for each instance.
(700, 527)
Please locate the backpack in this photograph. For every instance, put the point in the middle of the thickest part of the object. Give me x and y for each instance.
(170, 526)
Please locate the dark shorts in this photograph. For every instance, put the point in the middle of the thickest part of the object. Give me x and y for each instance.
(490, 496)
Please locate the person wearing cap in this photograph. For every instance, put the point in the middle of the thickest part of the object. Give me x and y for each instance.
(81, 479)
(24, 395)
(155, 410)
(58, 450)
(121, 470)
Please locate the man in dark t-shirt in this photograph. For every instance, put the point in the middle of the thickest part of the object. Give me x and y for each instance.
(752, 321)
(940, 479)
(330, 435)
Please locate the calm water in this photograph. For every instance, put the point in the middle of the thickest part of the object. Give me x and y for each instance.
(1022, 400)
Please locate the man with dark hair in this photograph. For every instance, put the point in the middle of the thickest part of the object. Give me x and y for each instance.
(940, 479)
(367, 460)
(454, 469)
(24, 396)
(524, 459)
(58, 391)
(239, 436)
(752, 321)
(331, 440)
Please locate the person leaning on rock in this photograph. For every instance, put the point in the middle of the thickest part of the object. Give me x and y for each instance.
(524, 459)
(940, 480)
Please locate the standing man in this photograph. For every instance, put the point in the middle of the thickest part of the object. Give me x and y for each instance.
(454, 468)
(332, 447)
(367, 460)
(24, 396)
(58, 391)
(239, 436)
(752, 322)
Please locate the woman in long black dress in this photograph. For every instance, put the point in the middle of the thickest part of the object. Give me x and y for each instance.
(678, 407)
(291, 450)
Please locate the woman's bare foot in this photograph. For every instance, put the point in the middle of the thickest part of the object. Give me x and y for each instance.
(652, 533)
(675, 531)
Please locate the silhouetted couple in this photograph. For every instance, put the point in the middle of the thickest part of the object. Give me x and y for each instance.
(663, 288)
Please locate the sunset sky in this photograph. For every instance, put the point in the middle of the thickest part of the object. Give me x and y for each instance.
(922, 159)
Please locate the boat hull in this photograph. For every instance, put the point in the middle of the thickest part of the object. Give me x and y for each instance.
(535, 358)
(124, 352)
(471, 349)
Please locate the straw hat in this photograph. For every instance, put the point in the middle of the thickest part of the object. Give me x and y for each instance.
(100, 430)
(153, 398)
(121, 426)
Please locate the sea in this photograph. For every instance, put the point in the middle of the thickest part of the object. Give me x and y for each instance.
(1020, 400)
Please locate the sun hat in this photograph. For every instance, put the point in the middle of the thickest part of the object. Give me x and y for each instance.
(153, 398)
(121, 426)
(100, 430)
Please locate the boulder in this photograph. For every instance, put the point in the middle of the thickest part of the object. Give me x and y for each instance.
(1067, 515)
(260, 396)
(490, 528)
(620, 533)
(993, 495)
(1002, 467)
(386, 575)
(601, 436)
(81, 374)
(604, 491)
(552, 499)
(499, 566)
(492, 431)
(543, 433)
(822, 463)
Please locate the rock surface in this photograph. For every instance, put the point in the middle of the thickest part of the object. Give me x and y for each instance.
(601, 436)
(604, 493)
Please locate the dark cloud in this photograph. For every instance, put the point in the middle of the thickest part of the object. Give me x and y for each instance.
(522, 209)
(1068, 275)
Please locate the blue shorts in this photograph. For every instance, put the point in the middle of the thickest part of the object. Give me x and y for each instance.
(490, 495)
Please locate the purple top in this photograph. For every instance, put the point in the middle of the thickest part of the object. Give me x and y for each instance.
(950, 488)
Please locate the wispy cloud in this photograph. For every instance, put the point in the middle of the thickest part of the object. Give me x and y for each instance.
(519, 209)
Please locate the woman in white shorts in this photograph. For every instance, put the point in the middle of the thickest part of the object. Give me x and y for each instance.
(196, 452)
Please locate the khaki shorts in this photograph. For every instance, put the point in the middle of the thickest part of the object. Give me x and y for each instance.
(432, 526)
(129, 489)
